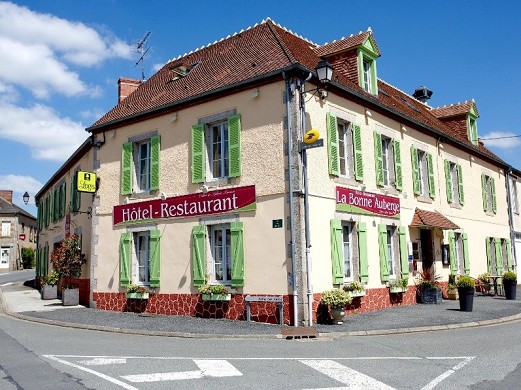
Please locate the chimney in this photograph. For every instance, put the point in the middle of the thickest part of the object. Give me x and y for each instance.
(7, 195)
(422, 94)
(126, 87)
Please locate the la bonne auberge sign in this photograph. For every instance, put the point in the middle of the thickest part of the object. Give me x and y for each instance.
(184, 206)
(361, 202)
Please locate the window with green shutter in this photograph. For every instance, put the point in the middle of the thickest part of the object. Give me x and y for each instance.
(448, 180)
(219, 141)
(155, 258)
(461, 196)
(336, 251)
(125, 252)
(332, 144)
(349, 261)
(397, 165)
(384, 253)
(140, 163)
(344, 148)
(404, 253)
(452, 253)
(488, 190)
(430, 170)
(199, 255)
(380, 180)
(237, 248)
(466, 256)
(415, 170)
(362, 248)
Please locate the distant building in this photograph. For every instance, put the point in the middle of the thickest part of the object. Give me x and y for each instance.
(18, 232)
(202, 181)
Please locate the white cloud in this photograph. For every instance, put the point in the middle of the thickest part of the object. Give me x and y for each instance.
(501, 140)
(38, 49)
(48, 136)
(19, 184)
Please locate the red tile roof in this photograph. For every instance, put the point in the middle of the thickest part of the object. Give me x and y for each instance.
(346, 44)
(424, 218)
(454, 109)
(258, 52)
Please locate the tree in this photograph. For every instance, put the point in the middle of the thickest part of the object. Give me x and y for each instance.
(67, 259)
(28, 257)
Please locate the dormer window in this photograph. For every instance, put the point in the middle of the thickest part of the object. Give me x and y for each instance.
(472, 129)
(367, 75)
(367, 71)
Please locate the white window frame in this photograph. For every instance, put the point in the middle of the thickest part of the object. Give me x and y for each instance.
(458, 248)
(142, 175)
(514, 194)
(217, 135)
(347, 255)
(345, 146)
(366, 71)
(390, 251)
(423, 175)
(386, 160)
(6, 228)
(139, 262)
(224, 266)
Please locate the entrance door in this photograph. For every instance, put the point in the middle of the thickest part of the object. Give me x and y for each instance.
(4, 258)
(427, 249)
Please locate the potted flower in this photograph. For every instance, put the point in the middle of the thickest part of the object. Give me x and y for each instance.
(336, 299)
(452, 289)
(214, 292)
(430, 291)
(510, 284)
(484, 279)
(135, 291)
(398, 285)
(67, 261)
(466, 292)
(354, 289)
(49, 288)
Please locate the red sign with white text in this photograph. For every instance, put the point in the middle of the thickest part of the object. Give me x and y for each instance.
(21, 237)
(361, 202)
(202, 203)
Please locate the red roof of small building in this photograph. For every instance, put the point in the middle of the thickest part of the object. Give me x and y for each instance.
(454, 109)
(424, 218)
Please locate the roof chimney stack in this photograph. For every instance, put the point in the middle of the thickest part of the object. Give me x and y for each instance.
(126, 87)
(7, 195)
(422, 94)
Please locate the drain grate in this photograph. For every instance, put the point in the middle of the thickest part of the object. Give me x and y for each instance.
(299, 333)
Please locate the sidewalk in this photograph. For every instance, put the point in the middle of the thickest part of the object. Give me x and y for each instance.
(24, 302)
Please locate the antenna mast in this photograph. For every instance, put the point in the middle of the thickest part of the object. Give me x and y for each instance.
(142, 49)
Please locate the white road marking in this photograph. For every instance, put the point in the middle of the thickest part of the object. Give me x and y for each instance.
(103, 376)
(347, 376)
(207, 368)
(6, 284)
(446, 374)
(103, 361)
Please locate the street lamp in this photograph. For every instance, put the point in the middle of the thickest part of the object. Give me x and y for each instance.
(324, 72)
(26, 197)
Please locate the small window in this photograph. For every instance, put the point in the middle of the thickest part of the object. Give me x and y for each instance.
(347, 240)
(220, 242)
(423, 173)
(345, 149)
(458, 240)
(454, 183)
(140, 165)
(6, 228)
(391, 246)
(367, 79)
(142, 250)
(218, 149)
(488, 193)
(472, 130)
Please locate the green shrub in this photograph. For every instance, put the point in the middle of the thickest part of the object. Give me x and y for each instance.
(465, 281)
(354, 286)
(213, 289)
(509, 275)
(336, 298)
(51, 279)
(28, 258)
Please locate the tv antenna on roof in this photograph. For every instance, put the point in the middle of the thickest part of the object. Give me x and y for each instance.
(142, 49)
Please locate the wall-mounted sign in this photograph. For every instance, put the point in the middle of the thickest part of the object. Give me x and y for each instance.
(311, 136)
(361, 202)
(86, 181)
(21, 237)
(192, 205)
(277, 223)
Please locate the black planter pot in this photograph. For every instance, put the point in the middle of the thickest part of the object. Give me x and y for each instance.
(430, 295)
(510, 287)
(466, 298)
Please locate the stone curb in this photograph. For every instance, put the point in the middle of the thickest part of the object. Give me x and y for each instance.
(378, 332)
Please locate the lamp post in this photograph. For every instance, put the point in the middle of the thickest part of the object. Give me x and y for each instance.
(324, 72)
(26, 197)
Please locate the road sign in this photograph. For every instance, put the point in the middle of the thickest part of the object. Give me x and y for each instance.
(86, 181)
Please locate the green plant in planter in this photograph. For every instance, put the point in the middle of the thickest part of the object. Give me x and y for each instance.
(354, 286)
(67, 259)
(135, 288)
(217, 289)
(336, 298)
(509, 275)
(465, 281)
(484, 277)
(51, 279)
(428, 279)
(402, 283)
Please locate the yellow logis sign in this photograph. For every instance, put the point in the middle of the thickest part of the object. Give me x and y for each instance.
(86, 181)
(311, 136)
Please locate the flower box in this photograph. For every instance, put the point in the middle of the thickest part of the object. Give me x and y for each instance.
(70, 297)
(216, 297)
(355, 294)
(397, 289)
(137, 295)
(49, 292)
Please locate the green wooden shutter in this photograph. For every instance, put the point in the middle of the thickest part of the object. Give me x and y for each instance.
(493, 192)
(489, 258)
(362, 253)
(46, 260)
(430, 169)
(415, 171)
(358, 156)
(198, 160)
(126, 168)
(466, 257)
(234, 145)
(336, 251)
(155, 258)
(199, 254)
(155, 150)
(125, 258)
(63, 199)
(484, 192)
(332, 144)
(237, 244)
(461, 195)
(48, 209)
(448, 181)
(404, 253)
(379, 164)
(71, 197)
(398, 178)
(510, 264)
(452, 253)
(384, 256)
(52, 209)
(499, 256)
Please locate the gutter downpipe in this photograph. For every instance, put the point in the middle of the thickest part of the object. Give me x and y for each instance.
(309, 280)
(291, 201)
(508, 171)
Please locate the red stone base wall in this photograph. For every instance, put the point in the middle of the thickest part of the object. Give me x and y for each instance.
(235, 309)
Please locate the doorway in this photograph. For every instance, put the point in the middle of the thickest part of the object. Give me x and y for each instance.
(427, 249)
(4, 257)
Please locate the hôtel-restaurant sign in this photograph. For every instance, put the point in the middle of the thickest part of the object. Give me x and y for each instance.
(191, 205)
(361, 202)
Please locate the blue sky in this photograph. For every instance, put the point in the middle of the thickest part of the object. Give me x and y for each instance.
(61, 60)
